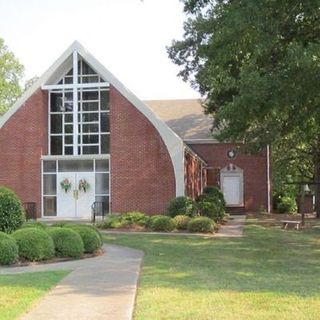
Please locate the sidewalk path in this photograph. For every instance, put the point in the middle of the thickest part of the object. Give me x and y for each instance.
(103, 287)
(234, 227)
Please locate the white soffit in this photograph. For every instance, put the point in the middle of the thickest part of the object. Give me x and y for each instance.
(172, 141)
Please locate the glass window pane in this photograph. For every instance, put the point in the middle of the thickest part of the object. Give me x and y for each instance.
(86, 69)
(75, 165)
(56, 102)
(102, 183)
(90, 150)
(87, 128)
(49, 206)
(90, 139)
(68, 118)
(103, 204)
(104, 102)
(102, 165)
(105, 143)
(56, 145)
(68, 106)
(104, 122)
(49, 184)
(90, 106)
(68, 128)
(68, 80)
(90, 95)
(68, 150)
(90, 79)
(89, 117)
(68, 139)
(56, 123)
(49, 166)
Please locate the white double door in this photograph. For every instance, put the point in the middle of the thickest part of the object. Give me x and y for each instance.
(75, 203)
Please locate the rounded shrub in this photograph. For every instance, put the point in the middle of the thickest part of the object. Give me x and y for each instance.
(181, 206)
(201, 224)
(162, 223)
(134, 218)
(67, 242)
(34, 224)
(90, 236)
(181, 222)
(8, 249)
(214, 192)
(11, 211)
(34, 244)
(209, 207)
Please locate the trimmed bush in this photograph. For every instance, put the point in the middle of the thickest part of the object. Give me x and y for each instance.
(181, 206)
(34, 244)
(201, 224)
(110, 222)
(90, 236)
(134, 218)
(287, 204)
(34, 224)
(8, 249)
(214, 192)
(11, 211)
(67, 242)
(162, 223)
(209, 207)
(181, 222)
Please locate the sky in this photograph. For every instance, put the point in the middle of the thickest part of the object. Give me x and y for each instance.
(129, 37)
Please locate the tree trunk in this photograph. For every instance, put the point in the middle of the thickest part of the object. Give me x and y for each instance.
(317, 189)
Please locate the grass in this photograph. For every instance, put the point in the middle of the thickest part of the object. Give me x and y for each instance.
(19, 292)
(268, 274)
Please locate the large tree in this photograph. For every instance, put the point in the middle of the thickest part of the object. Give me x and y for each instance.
(257, 63)
(11, 72)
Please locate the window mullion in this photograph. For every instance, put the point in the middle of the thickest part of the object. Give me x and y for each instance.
(75, 103)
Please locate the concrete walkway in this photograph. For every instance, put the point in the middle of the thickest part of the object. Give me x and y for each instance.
(103, 287)
(233, 229)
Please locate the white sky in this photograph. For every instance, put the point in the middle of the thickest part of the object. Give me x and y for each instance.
(127, 36)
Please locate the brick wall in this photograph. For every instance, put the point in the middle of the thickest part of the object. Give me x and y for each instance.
(192, 175)
(142, 175)
(254, 171)
(23, 139)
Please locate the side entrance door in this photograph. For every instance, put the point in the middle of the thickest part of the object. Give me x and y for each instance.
(75, 203)
(231, 186)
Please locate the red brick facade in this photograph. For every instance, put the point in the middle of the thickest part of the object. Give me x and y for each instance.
(254, 171)
(142, 176)
(194, 178)
(23, 139)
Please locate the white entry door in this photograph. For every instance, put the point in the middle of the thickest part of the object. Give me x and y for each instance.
(75, 203)
(232, 190)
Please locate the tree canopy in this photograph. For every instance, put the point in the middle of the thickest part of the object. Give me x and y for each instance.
(257, 64)
(11, 72)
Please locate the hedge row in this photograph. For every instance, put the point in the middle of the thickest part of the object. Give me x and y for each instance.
(157, 222)
(35, 242)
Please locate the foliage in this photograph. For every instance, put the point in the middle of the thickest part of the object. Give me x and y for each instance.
(287, 204)
(11, 72)
(181, 222)
(201, 224)
(162, 223)
(134, 218)
(214, 192)
(257, 64)
(111, 221)
(34, 224)
(34, 244)
(8, 249)
(11, 216)
(181, 206)
(67, 243)
(212, 206)
(91, 238)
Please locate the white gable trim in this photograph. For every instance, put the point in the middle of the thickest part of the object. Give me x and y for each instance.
(172, 141)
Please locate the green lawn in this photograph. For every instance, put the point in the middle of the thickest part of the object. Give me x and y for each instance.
(20, 291)
(268, 274)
